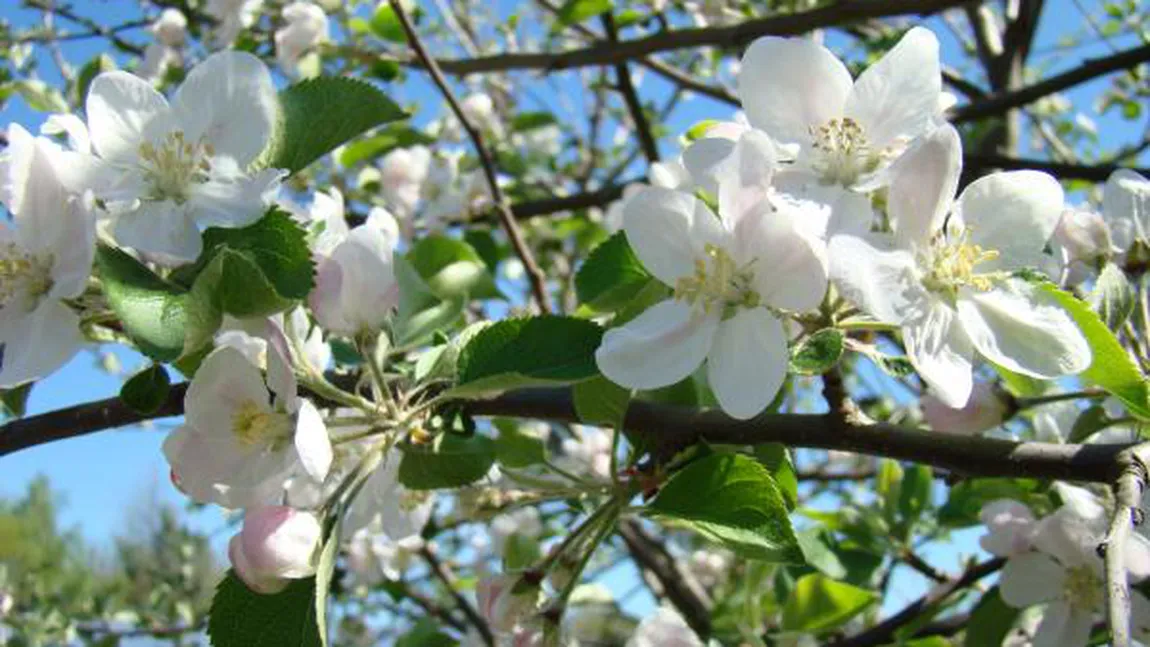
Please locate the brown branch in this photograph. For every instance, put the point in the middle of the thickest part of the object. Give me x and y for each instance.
(839, 13)
(978, 164)
(631, 98)
(502, 206)
(680, 589)
(1089, 69)
(441, 573)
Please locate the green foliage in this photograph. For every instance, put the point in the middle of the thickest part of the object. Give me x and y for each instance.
(150, 309)
(450, 461)
(319, 114)
(600, 401)
(1112, 297)
(388, 138)
(576, 11)
(990, 621)
(967, 498)
(421, 313)
(425, 633)
(731, 499)
(528, 121)
(146, 391)
(534, 351)
(611, 276)
(385, 24)
(276, 244)
(777, 460)
(818, 353)
(516, 448)
(243, 618)
(818, 604)
(14, 401)
(452, 268)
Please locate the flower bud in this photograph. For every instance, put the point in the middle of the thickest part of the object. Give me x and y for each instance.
(986, 409)
(1084, 235)
(506, 600)
(276, 544)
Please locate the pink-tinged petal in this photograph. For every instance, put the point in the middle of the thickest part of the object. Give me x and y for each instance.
(788, 85)
(1029, 579)
(941, 353)
(1025, 329)
(1014, 213)
(897, 98)
(668, 230)
(747, 362)
(659, 347)
(877, 277)
(248, 575)
(123, 111)
(924, 180)
(278, 541)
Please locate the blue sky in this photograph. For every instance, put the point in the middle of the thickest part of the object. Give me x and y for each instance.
(103, 475)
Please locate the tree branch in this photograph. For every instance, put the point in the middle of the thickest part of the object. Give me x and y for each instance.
(975, 163)
(683, 592)
(1127, 496)
(441, 573)
(631, 98)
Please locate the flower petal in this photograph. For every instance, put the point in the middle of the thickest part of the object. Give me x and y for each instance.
(788, 85)
(897, 97)
(35, 345)
(668, 230)
(123, 111)
(312, 442)
(877, 277)
(659, 347)
(1029, 579)
(704, 158)
(159, 228)
(1064, 625)
(1024, 329)
(1013, 212)
(224, 382)
(924, 180)
(745, 176)
(790, 266)
(747, 362)
(230, 101)
(1126, 205)
(941, 352)
(231, 198)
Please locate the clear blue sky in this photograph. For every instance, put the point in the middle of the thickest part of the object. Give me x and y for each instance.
(103, 475)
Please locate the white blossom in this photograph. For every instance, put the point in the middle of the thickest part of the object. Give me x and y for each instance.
(170, 31)
(276, 545)
(356, 289)
(664, 628)
(1010, 527)
(400, 512)
(1126, 207)
(232, 17)
(986, 409)
(306, 25)
(373, 556)
(402, 173)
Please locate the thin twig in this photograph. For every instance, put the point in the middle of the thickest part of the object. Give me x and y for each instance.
(502, 206)
(440, 572)
(631, 98)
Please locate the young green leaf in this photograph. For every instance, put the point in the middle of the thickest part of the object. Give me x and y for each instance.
(818, 353)
(819, 603)
(452, 268)
(451, 461)
(421, 313)
(147, 390)
(14, 401)
(277, 245)
(576, 11)
(1112, 297)
(240, 617)
(232, 283)
(611, 276)
(731, 499)
(151, 310)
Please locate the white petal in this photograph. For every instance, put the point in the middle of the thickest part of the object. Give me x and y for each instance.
(15, 161)
(1138, 557)
(788, 85)
(704, 158)
(231, 198)
(224, 382)
(312, 442)
(924, 180)
(747, 362)
(230, 101)
(745, 176)
(659, 347)
(159, 228)
(73, 127)
(1022, 328)
(1064, 625)
(280, 378)
(1030, 579)
(368, 291)
(941, 353)
(33, 346)
(668, 230)
(1126, 200)
(878, 278)
(122, 110)
(790, 268)
(897, 97)
(1013, 212)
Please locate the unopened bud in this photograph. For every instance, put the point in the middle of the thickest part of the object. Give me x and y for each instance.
(1084, 235)
(276, 544)
(986, 409)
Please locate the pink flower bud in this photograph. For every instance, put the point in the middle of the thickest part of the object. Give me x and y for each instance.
(986, 409)
(1084, 235)
(506, 600)
(276, 544)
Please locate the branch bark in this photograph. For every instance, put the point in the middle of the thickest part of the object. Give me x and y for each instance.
(688, 597)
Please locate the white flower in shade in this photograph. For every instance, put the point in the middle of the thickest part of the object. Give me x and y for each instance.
(734, 275)
(479, 109)
(709, 567)
(589, 452)
(986, 409)
(950, 288)
(1126, 207)
(305, 27)
(373, 556)
(356, 288)
(276, 545)
(402, 173)
(244, 437)
(1010, 528)
(45, 257)
(664, 628)
(232, 17)
(168, 169)
(400, 512)
(170, 31)
(506, 601)
(799, 93)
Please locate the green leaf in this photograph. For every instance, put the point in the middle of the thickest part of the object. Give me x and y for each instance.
(1111, 368)
(232, 283)
(277, 245)
(452, 268)
(888, 486)
(576, 11)
(1112, 297)
(319, 114)
(731, 499)
(390, 137)
(385, 24)
(515, 448)
(611, 276)
(14, 401)
(151, 310)
(450, 461)
(819, 603)
(818, 353)
(914, 494)
(777, 460)
(325, 568)
(240, 617)
(600, 401)
(967, 498)
(425, 633)
(815, 543)
(534, 351)
(990, 621)
(421, 313)
(1090, 421)
(528, 121)
(146, 391)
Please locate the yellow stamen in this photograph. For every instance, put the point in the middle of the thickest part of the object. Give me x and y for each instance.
(254, 425)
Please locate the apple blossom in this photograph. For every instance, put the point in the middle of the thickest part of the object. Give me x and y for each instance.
(1084, 237)
(170, 31)
(373, 556)
(45, 258)
(588, 452)
(1126, 207)
(356, 288)
(400, 512)
(1010, 527)
(402, 173)
(950, 287)
(305, 27)
(507, 600)
(276, 545)
(232, 17)
(664, 628)
(243, 437)
(986, 409)
(168, 169)
(733, 277)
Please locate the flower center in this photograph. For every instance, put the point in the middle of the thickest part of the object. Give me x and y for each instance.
(1083, 588)
(717, 283)
(842, 153)
(953, 264)
(23, 276)
(172, 168)
(254, 425)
